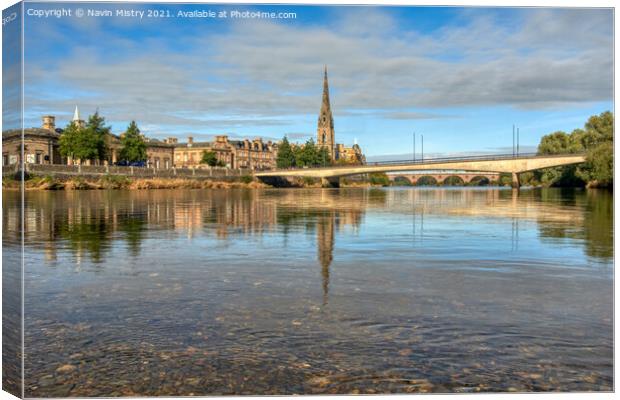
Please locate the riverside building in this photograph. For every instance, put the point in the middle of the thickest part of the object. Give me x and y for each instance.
(41, 146)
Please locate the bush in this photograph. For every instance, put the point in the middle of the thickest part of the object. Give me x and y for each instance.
(247, 179)
(379, 178)
(115, 181)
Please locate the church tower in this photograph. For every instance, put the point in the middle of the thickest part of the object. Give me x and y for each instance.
(325, 129)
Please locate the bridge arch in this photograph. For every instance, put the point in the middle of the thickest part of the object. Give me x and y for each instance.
(403, 180)
(480, 180)
(454, 180)
(426, 180)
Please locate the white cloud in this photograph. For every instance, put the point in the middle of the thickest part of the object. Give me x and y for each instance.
(259, 73)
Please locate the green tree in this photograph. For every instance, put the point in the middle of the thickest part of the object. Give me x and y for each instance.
(79, 143)
(323, 157)
(598, 170)
(67, 144)
(596, 139)
(308, 155)
(99, 134)
(133, 147)
(210, 158)
(379, 178)
(286, 156)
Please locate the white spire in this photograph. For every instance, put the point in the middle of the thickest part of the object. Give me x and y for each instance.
(76, 114)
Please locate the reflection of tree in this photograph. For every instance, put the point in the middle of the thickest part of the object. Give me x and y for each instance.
(90, 234)
(133, 227)
(597, 228)
(599, 224)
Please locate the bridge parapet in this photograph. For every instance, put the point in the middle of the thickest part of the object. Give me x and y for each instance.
(491, 164)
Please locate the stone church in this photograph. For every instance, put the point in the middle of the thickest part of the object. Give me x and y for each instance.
(326, 136)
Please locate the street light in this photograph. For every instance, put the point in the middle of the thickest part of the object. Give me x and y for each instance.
(513, 140)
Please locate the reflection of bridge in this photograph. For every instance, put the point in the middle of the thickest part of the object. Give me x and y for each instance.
(494, 163)
(466, 177)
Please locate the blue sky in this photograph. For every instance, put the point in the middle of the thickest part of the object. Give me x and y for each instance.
(459, 76)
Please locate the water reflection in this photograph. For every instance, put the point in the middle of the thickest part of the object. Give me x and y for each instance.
(90, 222)
(349, 290)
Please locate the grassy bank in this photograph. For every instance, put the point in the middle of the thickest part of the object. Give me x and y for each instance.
(126, 183)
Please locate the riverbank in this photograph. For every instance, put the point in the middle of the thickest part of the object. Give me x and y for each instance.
(119, 182)
(126, 183)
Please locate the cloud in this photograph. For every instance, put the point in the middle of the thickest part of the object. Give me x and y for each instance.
(261, 73)
(408, 115)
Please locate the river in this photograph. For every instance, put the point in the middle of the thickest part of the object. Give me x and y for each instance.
(399, 290)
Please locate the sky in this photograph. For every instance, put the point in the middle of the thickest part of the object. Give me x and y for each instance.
(461, 77)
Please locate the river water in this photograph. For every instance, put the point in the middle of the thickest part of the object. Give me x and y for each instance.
(400, 290)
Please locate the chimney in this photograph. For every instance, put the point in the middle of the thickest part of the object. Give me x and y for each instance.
(190, 141)
(49, 122)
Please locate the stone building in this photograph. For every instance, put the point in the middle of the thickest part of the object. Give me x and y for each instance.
(40, 144)
(159, 154)
(254, 154)
(326, 135)
(350, 155)
(325, 129)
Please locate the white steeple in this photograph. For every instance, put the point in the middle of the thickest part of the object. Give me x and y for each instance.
(76, 114)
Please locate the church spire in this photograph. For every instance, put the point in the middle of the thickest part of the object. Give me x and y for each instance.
(76, 114)
(325, 128)
(325, 104)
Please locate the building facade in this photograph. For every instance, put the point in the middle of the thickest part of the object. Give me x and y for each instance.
(251, 154)
(41, 146)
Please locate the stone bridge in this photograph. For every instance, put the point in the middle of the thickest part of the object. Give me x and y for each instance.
(466, 177)
(492, 163)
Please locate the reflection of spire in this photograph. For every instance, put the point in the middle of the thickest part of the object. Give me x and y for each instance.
(325, 244)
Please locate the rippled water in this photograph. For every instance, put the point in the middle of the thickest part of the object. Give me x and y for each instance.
(315, 291)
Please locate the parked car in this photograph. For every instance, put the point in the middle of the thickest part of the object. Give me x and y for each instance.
(125, 163)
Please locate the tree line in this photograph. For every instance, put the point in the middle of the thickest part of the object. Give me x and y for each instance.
(595, 139)
(92, 141)
(307, 155)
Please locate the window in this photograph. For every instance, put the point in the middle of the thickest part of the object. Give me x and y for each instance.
(38, 158)
(5, 159)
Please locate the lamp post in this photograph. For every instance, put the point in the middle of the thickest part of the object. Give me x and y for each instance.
(422, 138)
(513, 140)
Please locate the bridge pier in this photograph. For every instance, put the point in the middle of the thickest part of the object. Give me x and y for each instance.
(332, 182)
(515, 181)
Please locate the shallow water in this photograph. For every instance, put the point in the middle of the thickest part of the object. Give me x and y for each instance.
(201, 292)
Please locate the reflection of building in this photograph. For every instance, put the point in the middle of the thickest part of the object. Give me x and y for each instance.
(325, 248)
(326, 136)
